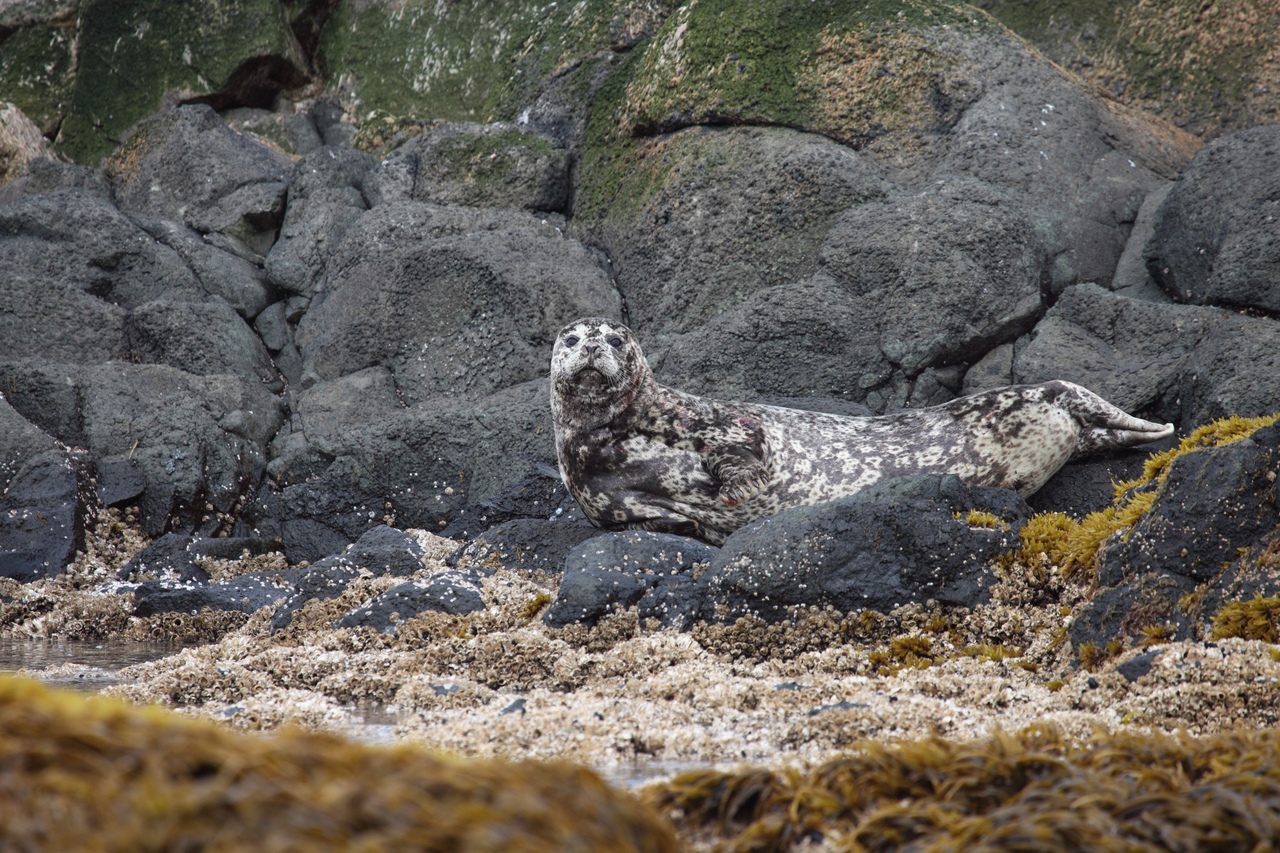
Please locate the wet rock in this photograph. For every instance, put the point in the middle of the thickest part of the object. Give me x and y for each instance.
(385, 550)
(382, 550)
(1079, 488)
(20, 442)
(42, 515)
(325, 579)
(172, 558)
(652, 571)
(1213, 503)
(450, 591)
(531, 544)
(1206, 533)
(901, 541)
(119, 481)
(494, 165)
(243, 594)
(1214, 240)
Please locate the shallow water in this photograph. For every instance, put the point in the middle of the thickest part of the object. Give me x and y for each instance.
(81, 666)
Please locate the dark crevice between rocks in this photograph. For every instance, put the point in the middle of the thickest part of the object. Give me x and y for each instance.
(254, 83)
(308, 27)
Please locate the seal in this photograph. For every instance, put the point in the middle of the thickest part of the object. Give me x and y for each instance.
(637, 455)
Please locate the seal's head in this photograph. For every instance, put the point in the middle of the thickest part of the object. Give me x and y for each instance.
(597, 372)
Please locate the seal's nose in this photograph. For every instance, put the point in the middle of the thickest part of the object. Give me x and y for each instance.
(591, 349)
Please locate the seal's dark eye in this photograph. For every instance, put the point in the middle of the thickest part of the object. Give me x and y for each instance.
(571, 341)
(615, 341)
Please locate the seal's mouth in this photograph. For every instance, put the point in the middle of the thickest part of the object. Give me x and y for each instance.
(589, 383)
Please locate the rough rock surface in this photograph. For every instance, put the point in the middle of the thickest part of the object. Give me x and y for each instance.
(901, 542)
(1214, 240)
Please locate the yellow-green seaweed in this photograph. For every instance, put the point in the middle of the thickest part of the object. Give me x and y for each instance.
(81, 772)
(1034, 790)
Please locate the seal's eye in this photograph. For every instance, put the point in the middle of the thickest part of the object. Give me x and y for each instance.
(571, 341)
(615, 341)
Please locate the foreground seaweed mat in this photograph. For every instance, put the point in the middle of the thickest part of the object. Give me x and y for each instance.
(75, 769)
(1032, 791)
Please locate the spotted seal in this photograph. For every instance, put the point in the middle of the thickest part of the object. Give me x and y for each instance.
(637, 455)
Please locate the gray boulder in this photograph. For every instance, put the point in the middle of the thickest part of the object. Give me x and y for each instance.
(634, 568)
(43, 512)
(450, 591)
(902, 541)
(199, 442)
(1179, 363)
(203, 339)
(1215, 234)
(455, 301)
(432, 466)
(80, 240)
(186, 165)
(324, 201)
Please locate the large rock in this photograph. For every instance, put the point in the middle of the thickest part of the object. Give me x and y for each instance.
(432, 466)
(932, 94)
(1217, 233)
(635, 568)
(1208, 539)
(454, 301)
(199, 442)
(903, 541)
(43, 512)
(78, 239)
(324, 201)
(188, 166)
(1179, 363)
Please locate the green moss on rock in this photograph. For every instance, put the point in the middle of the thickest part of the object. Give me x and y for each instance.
(856, 72)
(849, 70)
(37, 66)
(133, 52)
(75, 768)
(1210, 67)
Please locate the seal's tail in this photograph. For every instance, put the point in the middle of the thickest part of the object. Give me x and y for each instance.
(1105, 427)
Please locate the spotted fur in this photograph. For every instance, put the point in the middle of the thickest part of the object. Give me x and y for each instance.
(637, 455)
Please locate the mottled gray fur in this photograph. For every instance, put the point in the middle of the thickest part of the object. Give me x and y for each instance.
(637, 455)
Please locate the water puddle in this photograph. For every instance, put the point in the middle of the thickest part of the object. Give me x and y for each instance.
(79, 666)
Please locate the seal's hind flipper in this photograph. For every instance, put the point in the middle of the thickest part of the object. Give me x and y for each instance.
(1105, 427)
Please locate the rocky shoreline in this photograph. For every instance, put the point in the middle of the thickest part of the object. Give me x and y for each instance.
(274, 340)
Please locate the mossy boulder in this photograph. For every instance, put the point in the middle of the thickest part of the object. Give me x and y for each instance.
(134, 53)
(38, 60)
(1208, 67)
(77, 768)
(472, 60)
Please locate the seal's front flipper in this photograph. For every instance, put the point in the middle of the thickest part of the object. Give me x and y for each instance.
(748, 484)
